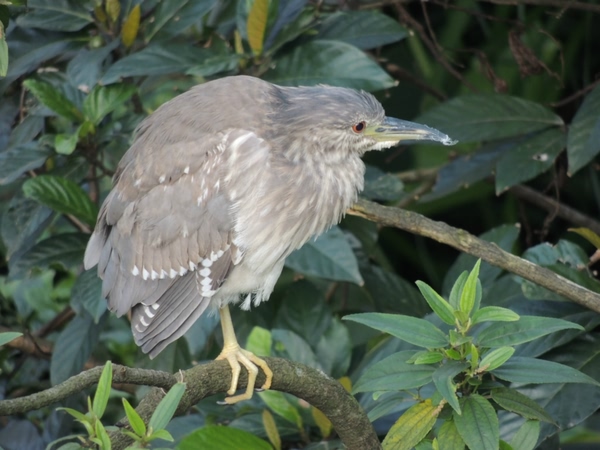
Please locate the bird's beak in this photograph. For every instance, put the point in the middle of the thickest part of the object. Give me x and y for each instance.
(393, 131)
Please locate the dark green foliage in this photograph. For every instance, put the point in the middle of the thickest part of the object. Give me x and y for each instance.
(514, 84)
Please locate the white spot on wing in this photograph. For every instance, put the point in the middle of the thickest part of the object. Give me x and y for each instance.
(143, 321)
(155, 306)
(145, 273)
(135, 271)
(186, 170)
(205, 272)
(149, 312)
(206, 263)
(172, 273)
(154, 275)
(162, 179)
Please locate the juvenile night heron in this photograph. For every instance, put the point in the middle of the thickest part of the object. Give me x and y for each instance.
(219, 186)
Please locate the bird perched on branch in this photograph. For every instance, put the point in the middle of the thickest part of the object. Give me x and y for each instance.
(220, 185)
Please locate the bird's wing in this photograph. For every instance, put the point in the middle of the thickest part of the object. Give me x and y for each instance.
(163, 242)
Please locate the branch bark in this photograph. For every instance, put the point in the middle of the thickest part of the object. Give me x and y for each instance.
(348, 419)
(489, 252)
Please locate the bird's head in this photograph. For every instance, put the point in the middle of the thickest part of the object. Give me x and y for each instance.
(341, 121)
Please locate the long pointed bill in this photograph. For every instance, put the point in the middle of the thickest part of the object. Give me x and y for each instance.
(393, 131)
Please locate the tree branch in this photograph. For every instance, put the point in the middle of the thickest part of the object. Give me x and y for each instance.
(489, 252)
(349, 420)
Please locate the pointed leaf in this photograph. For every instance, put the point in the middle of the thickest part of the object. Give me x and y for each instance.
(65, 144)
(271, 429)
(494, 359)
(259, 342)
(136, 422)
(526, 329)
(494, 314)
(583, 142)
(449, 438)
(103, 390)
(161, 434)
(18, 160)
(437, 303)
(485, 117)
(131, 25)
(478, 424)
(5, 338)
(526, 436)
(411, 427)
(394, 374)
(428, 358)
(521, 369)
(222, 437)
(410, 329)
(329, 256)
(457, 288)
(167, 407)
(49, 96)
(257, 25)
(513, 401)
(468, 298)
(281, 406)
(589, 235)
(324, 424)
(3, 52)
(443, 378)
(61, 195)
(103, 100)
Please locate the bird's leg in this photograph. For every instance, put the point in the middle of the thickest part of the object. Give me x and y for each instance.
(236, 355)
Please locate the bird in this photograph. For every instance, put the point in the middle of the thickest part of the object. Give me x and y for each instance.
(218, 187)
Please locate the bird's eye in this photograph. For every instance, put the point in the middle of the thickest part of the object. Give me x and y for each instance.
(359, 127)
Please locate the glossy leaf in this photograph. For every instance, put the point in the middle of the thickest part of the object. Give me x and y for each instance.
(87, 295)
(62, 195)
(529, 158)
(457, 288)
(329, 256)
(410, 329)
(58, 15)
(18, 160)
(443, 378)
(103, 390)
(438, 304)
(281, 406)
(583, 142)
(495, 358)
(449, 438)
(394, 374)
(223, 438)
(329, 62)
(486, 117)
(526, 437)
(8, 336)
(295, 347)
(468, 298)
(334, 349)
(478, 423)
(51, 97)
(427, 358)
(521, 369)
(131, 26)
(103, 100)
(164, 13)
(526, 329)
(166, 408)
(494, 314)
(362, 29)
(513, 401)
(65, 144)
(257, 25)
(259, 342)
(411, 427)
(589, 235)
(136, 422)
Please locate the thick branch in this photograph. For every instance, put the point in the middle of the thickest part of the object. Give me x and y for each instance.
(461, 240)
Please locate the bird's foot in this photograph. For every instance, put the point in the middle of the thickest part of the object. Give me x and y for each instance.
(236, 355)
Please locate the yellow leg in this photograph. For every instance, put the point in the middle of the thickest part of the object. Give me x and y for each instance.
(235, 355)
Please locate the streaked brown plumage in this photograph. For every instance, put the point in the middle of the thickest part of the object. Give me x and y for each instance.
(219, 186)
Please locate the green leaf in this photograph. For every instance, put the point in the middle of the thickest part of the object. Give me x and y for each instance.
(271, 428)
(329, 256)
(588, 235)
(295, 346)
(457, 288)
(130, 27)
(526, 436)
(410, 329)
(362, 29)
(427, 358)
(105, 443)
(103, 390)
(222, 438)
(5, 338)
(73, 412)
(478, 423)
(443, 378)
(437, 303)
(329, 62)
(527, 328)
(160, 434)
(529, 158)
(513, 401)
(3, 52)
(49, 96)
(136, 422)
(257, 25)
(334, 349)
(259, 341)
(57, 15)
(62, 195)
(411, 427)
(65, 144)
(167, 407)
(583, 141)
(86, 295)
(20, 159)
(468, 297)
(486, 117)
(74, 347)
(281, 406)
(495, 358)
(521, 369)
(103, 100)
(449, 438)
(494, 314)
(394, 374)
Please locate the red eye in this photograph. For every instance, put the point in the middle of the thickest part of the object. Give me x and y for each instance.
(359, 127)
